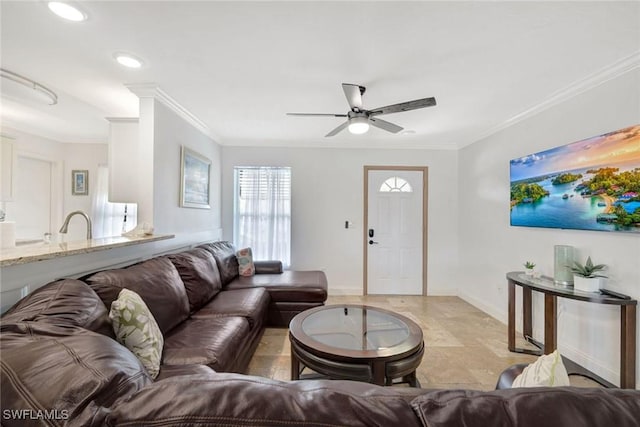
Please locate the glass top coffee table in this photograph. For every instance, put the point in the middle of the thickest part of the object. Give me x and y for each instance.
(356, 342)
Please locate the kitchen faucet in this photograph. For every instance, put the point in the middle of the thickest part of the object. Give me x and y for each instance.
(65, 226)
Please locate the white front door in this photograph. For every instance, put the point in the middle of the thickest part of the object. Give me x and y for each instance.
(395, 232)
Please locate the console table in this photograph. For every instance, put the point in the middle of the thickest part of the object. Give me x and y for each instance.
(551, 292)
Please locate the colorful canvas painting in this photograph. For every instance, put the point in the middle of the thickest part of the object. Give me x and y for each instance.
(593, 184)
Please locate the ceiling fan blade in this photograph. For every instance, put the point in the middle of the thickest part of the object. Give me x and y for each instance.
(316, 114)
(338, 129)
(385, 125)
(404, 106)
(354, 95)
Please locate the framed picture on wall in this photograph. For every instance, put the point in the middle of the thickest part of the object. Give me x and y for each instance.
(80, 182)
(194, 185)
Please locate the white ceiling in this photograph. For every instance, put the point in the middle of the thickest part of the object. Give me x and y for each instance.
(240, 66)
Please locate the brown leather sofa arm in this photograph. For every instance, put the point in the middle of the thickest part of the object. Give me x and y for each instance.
(268, 267)
(505, 380)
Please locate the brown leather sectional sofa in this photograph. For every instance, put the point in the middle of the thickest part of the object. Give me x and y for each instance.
(60, 364)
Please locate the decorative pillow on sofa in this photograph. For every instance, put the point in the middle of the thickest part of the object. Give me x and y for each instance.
(245, 262)
(547, 371)
(136, 329)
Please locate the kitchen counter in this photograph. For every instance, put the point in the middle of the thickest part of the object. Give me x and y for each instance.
(42, 251)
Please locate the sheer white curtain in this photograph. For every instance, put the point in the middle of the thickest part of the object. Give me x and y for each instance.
(110, 219)
(262, 215)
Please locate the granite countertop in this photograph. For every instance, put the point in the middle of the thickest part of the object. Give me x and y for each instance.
(43, 251)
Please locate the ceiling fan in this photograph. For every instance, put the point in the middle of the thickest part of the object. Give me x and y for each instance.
(359, 119)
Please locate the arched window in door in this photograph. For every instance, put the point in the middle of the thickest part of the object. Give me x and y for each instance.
(395, 184)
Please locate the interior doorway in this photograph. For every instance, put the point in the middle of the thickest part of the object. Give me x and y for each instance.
(32, 209)
(395, 230)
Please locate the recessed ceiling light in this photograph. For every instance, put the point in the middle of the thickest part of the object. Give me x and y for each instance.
(128, 60)
(408, 132)
(66, 11)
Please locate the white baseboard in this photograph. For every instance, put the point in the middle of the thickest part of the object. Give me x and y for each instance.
(338, 291)
(442, 292)
(490, 310)
(587, 362)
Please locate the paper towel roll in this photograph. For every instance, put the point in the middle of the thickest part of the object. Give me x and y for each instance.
(7, 234)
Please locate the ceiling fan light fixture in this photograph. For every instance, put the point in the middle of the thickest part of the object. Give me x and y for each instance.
(67, 11)
(358, 125)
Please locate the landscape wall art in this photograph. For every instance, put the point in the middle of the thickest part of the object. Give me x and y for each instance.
(593, 184)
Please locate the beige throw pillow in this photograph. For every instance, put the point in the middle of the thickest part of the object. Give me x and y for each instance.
(547, 371)
(136, 329)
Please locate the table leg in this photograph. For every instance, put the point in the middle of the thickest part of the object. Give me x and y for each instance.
(412, 380)
(511, 318)
(295, 366)
(527, 322)
(550, 323)
(628, 346)
(378, 372)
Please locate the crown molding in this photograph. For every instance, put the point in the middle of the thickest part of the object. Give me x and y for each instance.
(591, 81)
(122, 119)
(152, 90)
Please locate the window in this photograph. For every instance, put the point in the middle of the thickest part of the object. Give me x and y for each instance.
(110, 219)
(262, 212)
(395, 184)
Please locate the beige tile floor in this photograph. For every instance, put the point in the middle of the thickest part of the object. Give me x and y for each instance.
(465, 347)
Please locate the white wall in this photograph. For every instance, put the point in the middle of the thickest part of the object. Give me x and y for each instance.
(190, 226)
(170, 133)
(80, 156)
(490, 247)
(327, 190)
(66, 158)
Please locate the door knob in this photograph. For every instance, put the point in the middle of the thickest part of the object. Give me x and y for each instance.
(371, 242)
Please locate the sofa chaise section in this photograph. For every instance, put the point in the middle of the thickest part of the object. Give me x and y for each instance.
(291, 292)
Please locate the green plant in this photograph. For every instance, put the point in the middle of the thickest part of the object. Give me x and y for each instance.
(587, 270)
(529, 265)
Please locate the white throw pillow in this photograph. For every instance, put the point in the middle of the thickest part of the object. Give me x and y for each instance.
(547, 371)
(136, 329)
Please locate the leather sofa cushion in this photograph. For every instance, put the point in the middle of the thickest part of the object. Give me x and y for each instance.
(252, 304)
(200, 275)
(242, 400)
(158, 283)
(212, 341)
(225, 256)
(168, 371)
(268, 267)
(77, 374)
(290, 286)
(524, 407)
(63, 302)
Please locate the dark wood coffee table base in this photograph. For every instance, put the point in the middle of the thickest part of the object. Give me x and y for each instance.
(381, 371)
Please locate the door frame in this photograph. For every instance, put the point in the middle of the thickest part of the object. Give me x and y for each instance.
(365, 220)
(56, 187)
